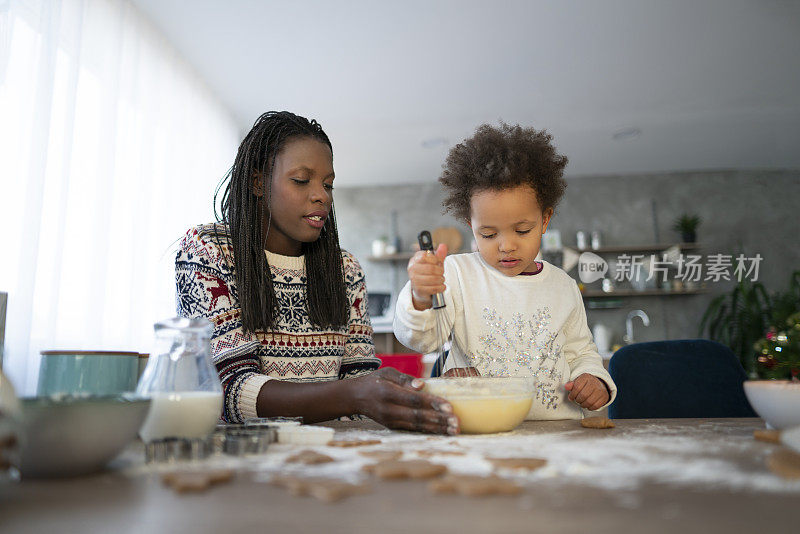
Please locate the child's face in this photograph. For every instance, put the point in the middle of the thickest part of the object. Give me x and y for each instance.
(302, 195)
(508, 227)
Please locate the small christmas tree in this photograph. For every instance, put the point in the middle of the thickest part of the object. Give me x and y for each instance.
(779, 351)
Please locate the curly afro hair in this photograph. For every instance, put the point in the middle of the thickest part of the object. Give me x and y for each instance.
(502, 158)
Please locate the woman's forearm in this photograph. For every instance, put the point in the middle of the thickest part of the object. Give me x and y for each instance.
(314, 402)
(386, 396)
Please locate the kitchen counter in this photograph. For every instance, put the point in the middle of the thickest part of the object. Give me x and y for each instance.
(645, 476)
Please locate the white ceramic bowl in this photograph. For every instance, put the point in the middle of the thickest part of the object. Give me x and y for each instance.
(70, 436)
(776, 401)
(485, 405)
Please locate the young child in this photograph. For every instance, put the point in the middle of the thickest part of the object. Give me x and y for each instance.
(288, 305)
(509, 314)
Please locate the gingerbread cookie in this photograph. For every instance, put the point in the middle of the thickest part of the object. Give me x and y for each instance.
(323, 489)
(353, 442)
(597, 422)
(770, 436)
(785, 463)
(400, 469)
(295, 485)
(382, 456)
(529, 464)
(219, 476)
(474, 485)
(196, 481)
(309, 457)
(187, 482)
(332, 491)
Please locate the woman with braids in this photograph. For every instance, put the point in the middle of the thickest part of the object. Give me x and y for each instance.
(292, 336)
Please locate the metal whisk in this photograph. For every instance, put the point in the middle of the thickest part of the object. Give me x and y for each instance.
(437, 303)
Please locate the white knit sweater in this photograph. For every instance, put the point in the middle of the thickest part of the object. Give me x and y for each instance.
(532, 325)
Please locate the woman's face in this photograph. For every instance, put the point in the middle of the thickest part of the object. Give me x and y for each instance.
(301, 195)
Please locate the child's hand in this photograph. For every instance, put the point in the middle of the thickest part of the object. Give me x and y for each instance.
(588, 391)
(426, 272)
(461, 371)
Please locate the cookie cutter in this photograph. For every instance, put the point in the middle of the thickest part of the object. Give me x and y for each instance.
(248, 441)
(172, 450)
(222, 427)
(270, 422)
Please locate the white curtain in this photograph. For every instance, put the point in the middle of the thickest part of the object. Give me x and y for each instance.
(110, 148)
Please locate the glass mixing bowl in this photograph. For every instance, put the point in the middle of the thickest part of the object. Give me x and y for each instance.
(485, 405)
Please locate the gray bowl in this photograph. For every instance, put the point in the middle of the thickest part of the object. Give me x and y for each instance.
(71, 436)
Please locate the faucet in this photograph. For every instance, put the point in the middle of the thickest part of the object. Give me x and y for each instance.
(628, 339)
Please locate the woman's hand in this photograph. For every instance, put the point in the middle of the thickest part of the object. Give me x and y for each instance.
(426, 273)
(588, 391)
(394, 400)
(461, 371)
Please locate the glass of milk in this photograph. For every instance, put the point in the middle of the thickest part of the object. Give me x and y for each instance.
(181, 381)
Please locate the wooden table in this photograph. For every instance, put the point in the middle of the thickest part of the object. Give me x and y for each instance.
(720, 485)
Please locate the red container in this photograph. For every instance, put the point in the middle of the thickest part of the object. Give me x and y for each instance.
(410, 364)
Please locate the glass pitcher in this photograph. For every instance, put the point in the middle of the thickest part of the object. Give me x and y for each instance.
(181, 381)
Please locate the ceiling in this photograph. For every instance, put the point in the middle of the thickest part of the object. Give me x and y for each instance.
(631, 86)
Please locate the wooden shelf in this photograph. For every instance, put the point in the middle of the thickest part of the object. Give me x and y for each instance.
(646, 293)
(392, 257)
(401, 256)
(637, 248)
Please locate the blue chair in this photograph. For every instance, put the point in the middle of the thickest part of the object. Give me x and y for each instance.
(683, 378)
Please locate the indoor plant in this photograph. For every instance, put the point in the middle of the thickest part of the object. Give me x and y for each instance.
(686, 225)
(749, 320)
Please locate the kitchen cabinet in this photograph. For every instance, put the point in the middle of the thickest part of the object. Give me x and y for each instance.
(385, 341)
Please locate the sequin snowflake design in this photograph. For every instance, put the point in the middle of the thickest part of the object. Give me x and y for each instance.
(521, 347)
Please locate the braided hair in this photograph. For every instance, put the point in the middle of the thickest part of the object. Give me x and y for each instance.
(246, 215)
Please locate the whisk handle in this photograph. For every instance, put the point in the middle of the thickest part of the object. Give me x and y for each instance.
(425, 241)
(426, 244)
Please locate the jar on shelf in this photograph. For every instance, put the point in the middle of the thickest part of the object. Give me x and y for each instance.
(580, 240)
(379, 247)
(596, 240)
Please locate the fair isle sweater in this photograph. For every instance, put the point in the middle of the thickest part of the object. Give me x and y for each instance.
(295, 350)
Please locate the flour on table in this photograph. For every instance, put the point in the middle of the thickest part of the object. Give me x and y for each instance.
(623, 460)
(619, 460)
